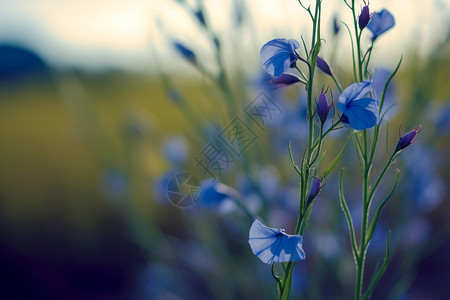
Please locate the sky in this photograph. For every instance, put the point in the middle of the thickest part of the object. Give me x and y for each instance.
(137, 34)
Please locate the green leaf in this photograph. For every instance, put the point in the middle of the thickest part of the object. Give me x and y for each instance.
(353, 51)
(308, 9)
(278, 279)
(387, 138)
(387, 84)
(292, 161)
(346, 211)
(304, 46)
(380, 272)
(315, 52)
(358, 148)
(336, 160)
(374, 143)
(373, 224)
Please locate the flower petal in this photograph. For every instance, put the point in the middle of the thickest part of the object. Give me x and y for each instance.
(185, 52)
(380, 23)
(273, 245)
(362, 113)
(353, 92)
(278, 55)
(213, 193)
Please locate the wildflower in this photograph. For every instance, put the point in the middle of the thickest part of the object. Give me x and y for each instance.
(215, 195)
(441, 119)
(425, 187)
(238, 10)
(176, 150)
(274, 245)
(323, 109)
(323, 66)
(216, 42)
(358, 111)
(380, 23)
(200, 17)
(174, 96)
(315, 189)
(185, 52)
(269, 181)
(114, 184)
(364, 17)
(278, 55)
(285, 80)
(407, 139)
(336, 26)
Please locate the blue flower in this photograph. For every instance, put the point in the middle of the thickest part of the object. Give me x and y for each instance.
(278, 55)
(358, 111)
(380, 23)
(185, 52)
(269, 181)
(200, 17)
(174, 95)
(176, 150)
(336, 26)
(273, 245)
(441, 119)
(425, 187)
(238, 10)
(114, 184)
(216, 195)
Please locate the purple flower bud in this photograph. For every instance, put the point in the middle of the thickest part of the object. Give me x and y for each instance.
(185, 52)
(323, 66)
(323, 109)
(407, 139)
(200, 17)
(336, 26)
(285, 80)
(315, 189)
(364, 17)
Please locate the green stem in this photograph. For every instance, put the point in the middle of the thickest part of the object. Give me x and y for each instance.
(332, 127)
(338, 85)
(222, 79)
(366, 174)
(362, 245)
(304, 81)
(382, 174)
(319, 140)
(368, 58)
(358, 41)
(383, 95)
(286, 287)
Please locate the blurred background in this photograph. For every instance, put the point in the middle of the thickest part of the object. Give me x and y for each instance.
(103, 103)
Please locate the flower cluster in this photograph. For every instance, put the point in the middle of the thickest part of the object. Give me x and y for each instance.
(359, 107)
(356, 110)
